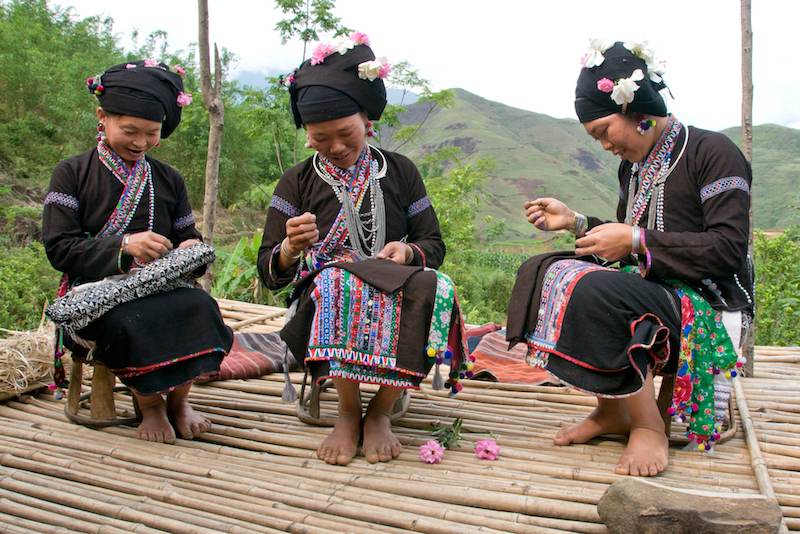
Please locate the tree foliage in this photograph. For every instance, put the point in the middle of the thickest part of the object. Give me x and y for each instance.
(45, 61)
(392, 133)
(310, 18)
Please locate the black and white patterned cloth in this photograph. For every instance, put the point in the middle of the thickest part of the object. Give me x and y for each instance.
(86, 302)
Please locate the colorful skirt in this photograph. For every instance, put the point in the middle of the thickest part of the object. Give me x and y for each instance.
(388, 330)
(600, 330)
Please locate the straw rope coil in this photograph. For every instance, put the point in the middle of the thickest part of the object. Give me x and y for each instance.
(26, 357)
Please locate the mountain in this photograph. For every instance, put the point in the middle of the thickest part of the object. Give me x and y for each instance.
(540, 155)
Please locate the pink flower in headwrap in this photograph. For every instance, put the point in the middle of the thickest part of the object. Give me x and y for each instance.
(150, 63)
(605, 85)
(184, 99)
(180, 71)
(130, 66)
(487, 449)
(432, 452)
(322, 51)
(359, 38)
(386, 69)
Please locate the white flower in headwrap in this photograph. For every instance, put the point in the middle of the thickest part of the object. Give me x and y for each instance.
(623, 91)
(595, 56)
(656, 69)
(369, 70)
(641, 49)
(343, 45)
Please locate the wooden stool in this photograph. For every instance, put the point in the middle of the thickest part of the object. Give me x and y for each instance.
(308, 403)
(102, 410)
(665, 401)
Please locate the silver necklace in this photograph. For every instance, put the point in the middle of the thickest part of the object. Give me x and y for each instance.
(367, 230)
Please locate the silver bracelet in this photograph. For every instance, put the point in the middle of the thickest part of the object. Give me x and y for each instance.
(286, 251)
(636, 239)
(579, 224)
(411, 257)
(125, 242)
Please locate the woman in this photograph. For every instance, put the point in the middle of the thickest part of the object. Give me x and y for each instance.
(682, 242)
(354, 228)
(112, 209)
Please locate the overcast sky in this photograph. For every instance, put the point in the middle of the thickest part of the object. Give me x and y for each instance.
(522, 53)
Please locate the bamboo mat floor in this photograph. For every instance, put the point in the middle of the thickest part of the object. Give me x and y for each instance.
(256, 470)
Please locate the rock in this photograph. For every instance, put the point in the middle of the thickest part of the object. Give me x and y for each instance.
(635, 505)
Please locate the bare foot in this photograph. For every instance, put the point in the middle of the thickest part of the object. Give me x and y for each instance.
(155, 425)
(380, 444)
(341, 445)
(647, 453)
(609, 417)
(188, 423)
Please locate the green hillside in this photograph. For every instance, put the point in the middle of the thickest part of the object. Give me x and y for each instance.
(776, 174)
(538, 155)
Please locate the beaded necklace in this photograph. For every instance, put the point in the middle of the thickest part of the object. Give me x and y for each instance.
(367, 230)
(653, 170)
(135, 181)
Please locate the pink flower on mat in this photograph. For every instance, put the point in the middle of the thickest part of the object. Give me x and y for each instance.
(184, 99)
(359, 38)
(605, 85)
(322, 51)
(431, 452)
(487, 449)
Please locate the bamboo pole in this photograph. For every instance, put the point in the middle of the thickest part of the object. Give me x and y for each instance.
(757, 462)
(257, 319)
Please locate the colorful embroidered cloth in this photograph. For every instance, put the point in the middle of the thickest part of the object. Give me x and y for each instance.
(559, 282)
(355, 328)
(441, 338)
(253, 355)
(496, 362)
(706, 350)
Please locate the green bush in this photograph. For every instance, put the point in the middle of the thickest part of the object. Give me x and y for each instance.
(777, 290)
(27, 283)
(483, 279)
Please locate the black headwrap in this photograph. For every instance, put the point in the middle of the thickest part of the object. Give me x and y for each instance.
(146, 92)
(332, 89)
(591, 102)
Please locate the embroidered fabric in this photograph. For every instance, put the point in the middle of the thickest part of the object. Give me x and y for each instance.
(85, 303)
(706, 352)
(647, 181)
(136, 181)
(366, 231)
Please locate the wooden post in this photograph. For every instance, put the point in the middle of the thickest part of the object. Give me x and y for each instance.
(748, 347)
(212, 101)
(74, 390)
(102, 398)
